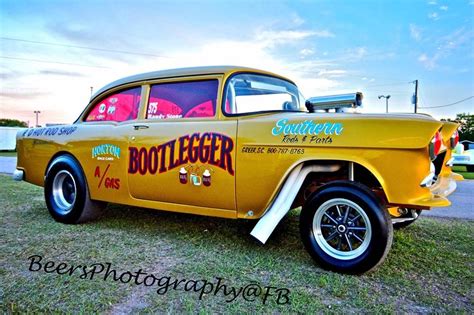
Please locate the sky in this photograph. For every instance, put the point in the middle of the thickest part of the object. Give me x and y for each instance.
(53, 52)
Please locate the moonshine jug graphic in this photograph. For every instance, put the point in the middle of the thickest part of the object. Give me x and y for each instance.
(183, 176)
(206, 178)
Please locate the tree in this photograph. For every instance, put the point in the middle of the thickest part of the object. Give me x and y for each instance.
(4, 122)
(466, 131)
(466, 128)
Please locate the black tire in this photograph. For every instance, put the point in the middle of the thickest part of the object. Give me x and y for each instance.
(412, 213)
(470, 168)
(66, 192)
(358, 200)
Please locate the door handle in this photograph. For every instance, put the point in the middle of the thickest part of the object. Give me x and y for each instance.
(137, 127)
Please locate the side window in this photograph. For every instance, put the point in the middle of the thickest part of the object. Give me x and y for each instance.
(251, 93)
(118, 107)
(183, 100)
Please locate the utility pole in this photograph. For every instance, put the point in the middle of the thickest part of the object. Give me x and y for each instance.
(92, 88)
(37, 112)
(415, 96)
(386, 97)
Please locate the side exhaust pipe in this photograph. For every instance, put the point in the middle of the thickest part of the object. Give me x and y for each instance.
(283, 201)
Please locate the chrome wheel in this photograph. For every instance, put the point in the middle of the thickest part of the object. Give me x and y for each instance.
(342, 229)
(64, 191)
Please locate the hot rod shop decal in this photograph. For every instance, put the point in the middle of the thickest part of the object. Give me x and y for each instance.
(206, 148)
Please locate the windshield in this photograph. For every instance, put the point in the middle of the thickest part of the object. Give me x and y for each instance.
(248, 93)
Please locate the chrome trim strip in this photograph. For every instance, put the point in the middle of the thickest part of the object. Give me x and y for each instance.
(400, 220)
(450, 162)
(351, 171)
(428, 180)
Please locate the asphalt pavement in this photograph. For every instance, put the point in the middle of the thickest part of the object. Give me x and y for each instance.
(462, 199)
(7, 164)
(462, 203)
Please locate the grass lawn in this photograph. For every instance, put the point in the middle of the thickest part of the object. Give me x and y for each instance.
(429, 268)
(8, 153)
(463, 171)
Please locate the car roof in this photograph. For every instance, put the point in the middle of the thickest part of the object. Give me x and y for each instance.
(181, 72)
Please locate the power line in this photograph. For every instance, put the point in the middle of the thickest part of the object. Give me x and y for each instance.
(82, 47)
(463, 100)
(55, 62)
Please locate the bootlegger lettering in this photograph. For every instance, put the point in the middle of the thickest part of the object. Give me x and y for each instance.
(206, 148)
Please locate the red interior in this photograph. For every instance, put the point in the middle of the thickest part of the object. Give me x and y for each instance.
(183, 99)
(117, 107)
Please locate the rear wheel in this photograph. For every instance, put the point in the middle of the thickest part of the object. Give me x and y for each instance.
(66, 192)
(345, 228)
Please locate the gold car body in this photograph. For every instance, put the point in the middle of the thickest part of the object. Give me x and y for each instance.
(249, 159)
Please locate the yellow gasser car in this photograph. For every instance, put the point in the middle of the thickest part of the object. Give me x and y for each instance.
(243, 143)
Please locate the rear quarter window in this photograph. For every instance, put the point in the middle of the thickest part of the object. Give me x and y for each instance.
(117, 107)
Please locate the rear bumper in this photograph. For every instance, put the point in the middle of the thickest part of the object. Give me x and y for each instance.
(440, 190)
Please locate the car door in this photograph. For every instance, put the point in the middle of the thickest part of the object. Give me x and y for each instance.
(104, 141)
(181, 152)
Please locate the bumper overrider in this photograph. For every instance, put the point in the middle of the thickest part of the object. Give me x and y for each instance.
(18, 175)
(440, 186)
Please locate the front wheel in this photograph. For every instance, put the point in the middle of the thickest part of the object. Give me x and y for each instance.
(345, 228)
(66, 192)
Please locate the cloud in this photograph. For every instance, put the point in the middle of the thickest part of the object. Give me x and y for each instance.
(415, 32)
(443, 8)
(22, 94)
(319, 86)
(432, 3)
(297, 20)
(257, 52)
(305, 52)
(6, 76)
(271, 38)
(332, 73)
(428, 62)
(433, 16)
(254, 50)
(357, 53)
(446, 46)
(62, 73)
(456, 39)
(75, 33)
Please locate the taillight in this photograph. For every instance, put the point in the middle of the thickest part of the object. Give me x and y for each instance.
(454, 139)
(435, 145)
